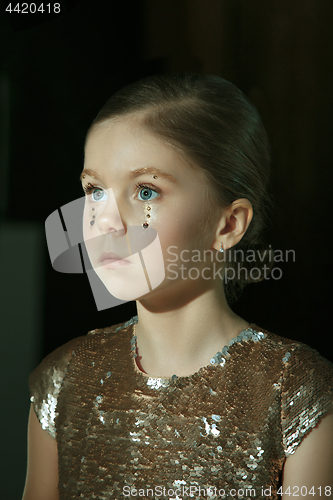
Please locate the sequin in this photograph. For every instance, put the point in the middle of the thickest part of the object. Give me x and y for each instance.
(156, 383)
(286, 357)
(140, 431)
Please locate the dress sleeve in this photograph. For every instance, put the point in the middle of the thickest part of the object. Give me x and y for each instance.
(45, 384)
(307, 394)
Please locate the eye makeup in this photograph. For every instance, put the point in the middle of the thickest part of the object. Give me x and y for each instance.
(89, 188)
(140, 187)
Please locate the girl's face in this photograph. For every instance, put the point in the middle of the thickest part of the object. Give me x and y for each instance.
(128, 169)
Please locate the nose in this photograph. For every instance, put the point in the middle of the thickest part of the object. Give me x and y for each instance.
(109, 219)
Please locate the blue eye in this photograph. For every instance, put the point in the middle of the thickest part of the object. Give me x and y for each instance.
(96, 192)
(146, 192)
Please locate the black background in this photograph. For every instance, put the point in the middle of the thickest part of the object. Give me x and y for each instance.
(63, 68)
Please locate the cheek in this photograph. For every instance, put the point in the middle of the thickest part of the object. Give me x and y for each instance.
(88, 229)
(182, 228)
(85, 223)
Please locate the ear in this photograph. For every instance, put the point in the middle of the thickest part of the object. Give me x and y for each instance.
(234, 221)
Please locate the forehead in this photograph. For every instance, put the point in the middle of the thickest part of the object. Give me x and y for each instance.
(124, 143)
(120, 130)
(125, 137)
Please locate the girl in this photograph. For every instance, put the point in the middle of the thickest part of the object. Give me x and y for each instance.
(186, 399)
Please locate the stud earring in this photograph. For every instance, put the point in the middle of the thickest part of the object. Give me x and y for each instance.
(145, 224)
(92, 222)
(221, 249)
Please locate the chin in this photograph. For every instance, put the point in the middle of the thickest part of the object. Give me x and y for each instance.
(124, 287)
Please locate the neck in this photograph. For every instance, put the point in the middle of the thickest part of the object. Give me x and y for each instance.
(181, 340)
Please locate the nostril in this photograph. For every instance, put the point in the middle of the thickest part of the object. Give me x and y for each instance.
(119, 232)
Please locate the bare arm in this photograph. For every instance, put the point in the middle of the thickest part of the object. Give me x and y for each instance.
(311, 466)
(42, 471)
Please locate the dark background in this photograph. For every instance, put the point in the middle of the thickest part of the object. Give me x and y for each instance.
(56, 71)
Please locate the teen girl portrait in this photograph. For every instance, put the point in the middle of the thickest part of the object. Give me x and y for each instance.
(186, 399)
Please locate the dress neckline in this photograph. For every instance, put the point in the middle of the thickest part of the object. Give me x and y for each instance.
(220, 358)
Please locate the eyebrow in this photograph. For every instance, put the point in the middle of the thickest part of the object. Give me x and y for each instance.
(152, 170)
(91, 173)
(133, 174)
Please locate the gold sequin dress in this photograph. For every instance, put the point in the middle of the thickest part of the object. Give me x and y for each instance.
(123, 434)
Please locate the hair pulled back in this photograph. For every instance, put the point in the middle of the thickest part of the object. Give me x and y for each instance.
(218, 129)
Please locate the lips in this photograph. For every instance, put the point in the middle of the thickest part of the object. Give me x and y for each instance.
(110, 256)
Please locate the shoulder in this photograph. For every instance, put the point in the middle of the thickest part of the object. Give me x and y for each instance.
(295, 355)
(306, 388)
(311, 464)
(307, 394)
(303, 368)
(54, 365)
(110, 338)
(305, 382)
(46, 380)
(115, 328)
(301, 362)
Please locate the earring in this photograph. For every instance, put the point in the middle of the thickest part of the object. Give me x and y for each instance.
(221, 249)
(92, 222)
(145, 224)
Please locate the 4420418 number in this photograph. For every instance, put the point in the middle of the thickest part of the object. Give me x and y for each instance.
(32, 8)
(302, 491)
